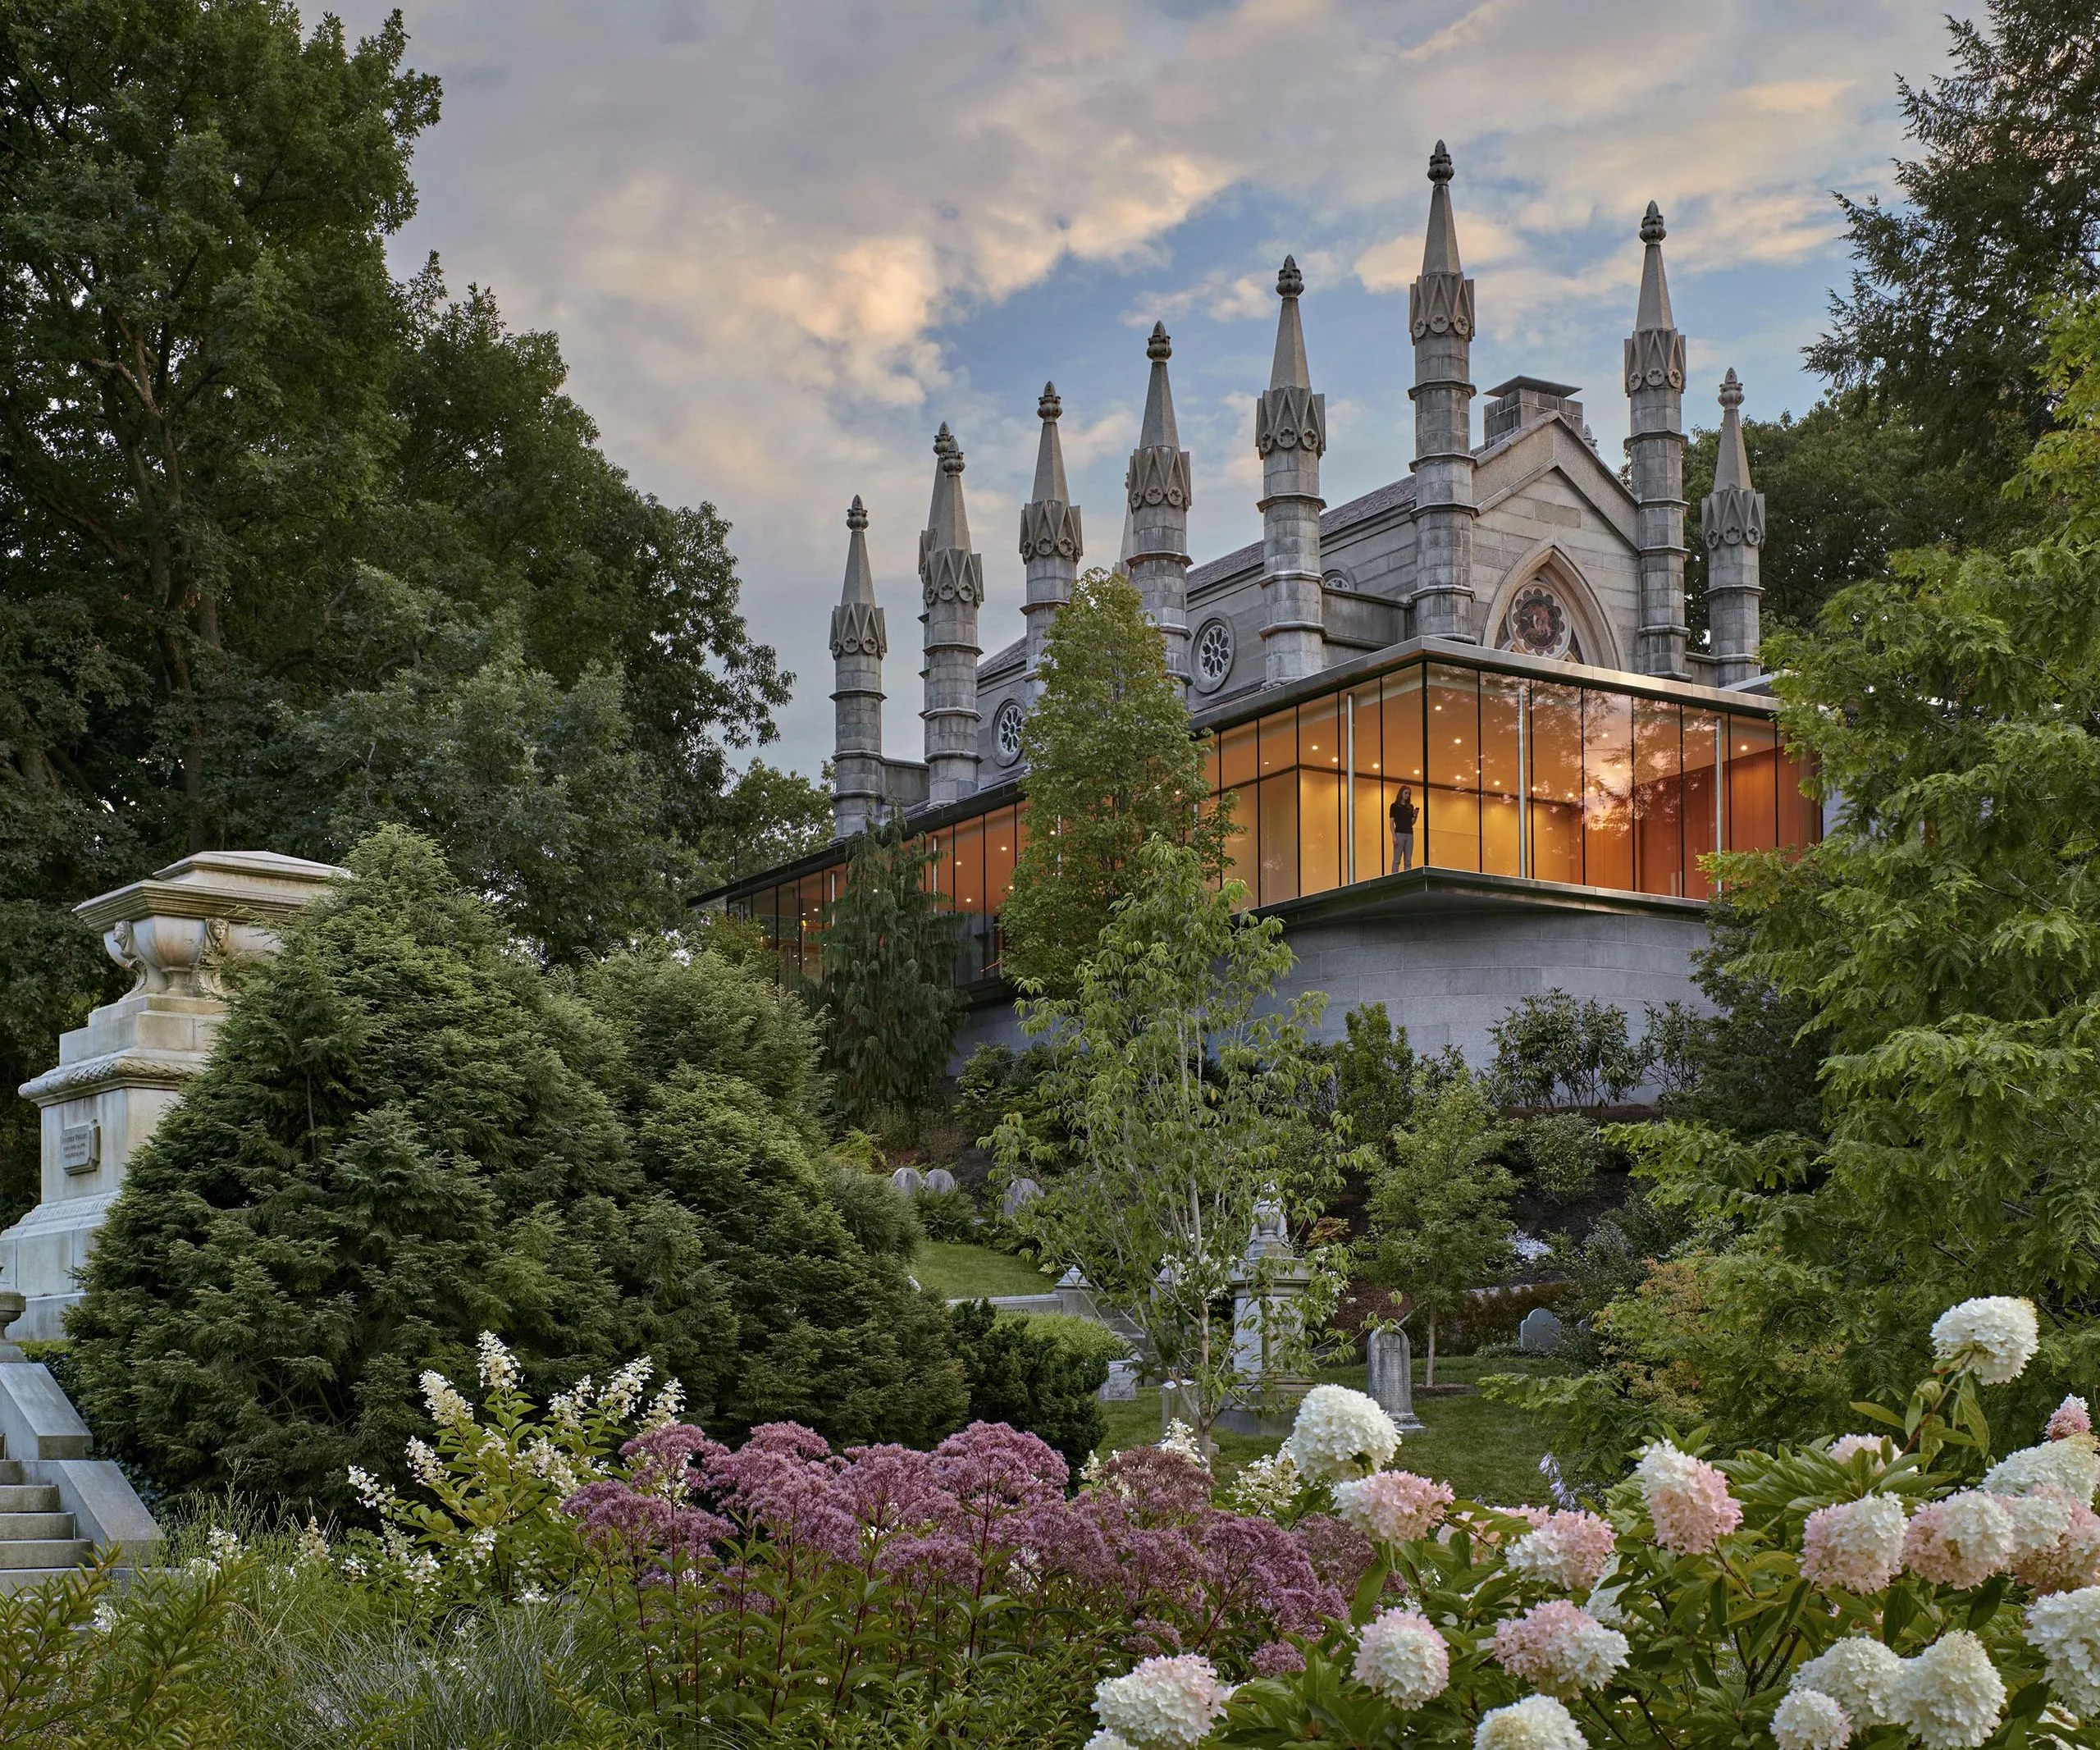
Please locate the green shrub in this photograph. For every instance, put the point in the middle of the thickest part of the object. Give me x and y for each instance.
(1039, 1375)
(882, 1222)
(947, 1215)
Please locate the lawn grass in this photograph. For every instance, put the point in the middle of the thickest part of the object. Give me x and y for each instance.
(1487, 1452)
(958, 1272)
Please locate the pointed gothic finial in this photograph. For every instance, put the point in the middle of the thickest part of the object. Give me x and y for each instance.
(859, 575)
(1731, 464)
(1049, 452)
(857, 514)
(1655, 307)
(1158, 429)
(1439, 247)
(1289, 370)
(947, 523)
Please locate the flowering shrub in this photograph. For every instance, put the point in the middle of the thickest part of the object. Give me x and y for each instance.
(1872, 1590)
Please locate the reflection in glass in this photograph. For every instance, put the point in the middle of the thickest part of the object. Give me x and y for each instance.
(1242, 864)
(1236, 761)
(1374, 849)
(1702, 797)
(1501, 775)
(1555, 746)
(1607, 788)
(1658, 798)
(1452, 735)
(1279, 838)
(1279, 742)
(1753, 760)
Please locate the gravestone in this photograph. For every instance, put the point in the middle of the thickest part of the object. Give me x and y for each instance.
(1177, 1403)
(907, 1181)
(1391, 1378)
(1539, 1333)
(940, 1181)
(1019, 1195)
(1121, 1385)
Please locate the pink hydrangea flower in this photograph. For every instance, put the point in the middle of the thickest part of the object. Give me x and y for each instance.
(1395, 1507)
(1856, 1544)
(2071, 1562)
(1570, 1551)
(2071, 1417)
(1848, 1446)
(1687, 1499)
(1961, 1541)
(1559, 1647)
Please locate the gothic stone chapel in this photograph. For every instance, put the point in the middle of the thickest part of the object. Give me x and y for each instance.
(1495, 641)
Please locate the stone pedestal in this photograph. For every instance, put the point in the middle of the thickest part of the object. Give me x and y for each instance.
(1267, 1319)
(1391, 1378)
(177, 933)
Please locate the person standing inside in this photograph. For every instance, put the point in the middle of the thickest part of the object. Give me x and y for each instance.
(1403, 811)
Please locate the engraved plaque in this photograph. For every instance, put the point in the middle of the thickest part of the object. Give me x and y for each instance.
(80, 1148)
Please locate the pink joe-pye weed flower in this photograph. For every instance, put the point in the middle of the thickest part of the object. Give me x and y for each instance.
(1559, 1647)
(1961, 1541)
(1686, 1498)
(1855, 1545)
(1395, 1507)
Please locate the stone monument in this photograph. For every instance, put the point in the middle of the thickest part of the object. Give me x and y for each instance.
(1391, 1378)
(907, 1181)
(940, 1181)
(176, 933)
(1540, 1334)
(1266, 1317)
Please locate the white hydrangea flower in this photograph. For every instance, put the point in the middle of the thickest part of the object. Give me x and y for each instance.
(499, 1367)
(1950, 1696)
(447, 1408)
(1809, 1720)
(2065, 1628)
(1108, 1741)
(1993, 1336)
(1266, 1488)
(1166, 1701)
(369, 1488)
(423, 1463)
(1538, 1722)
(313, 1542)
(664, 1407)
(1179, 1437)
(1859, 1675)
(2071, 1464)
(623, 1390)
(1401, 1657)
(1340, 1432)
(1845, 1447)
(2039, 1521)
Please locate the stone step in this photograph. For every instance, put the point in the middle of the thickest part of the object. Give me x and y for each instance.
(10, 1471)
(29, 1497)
(45, 1552)
(15, 1527)
(18, 1579)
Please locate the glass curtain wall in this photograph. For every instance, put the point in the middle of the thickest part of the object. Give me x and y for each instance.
(1440, 765)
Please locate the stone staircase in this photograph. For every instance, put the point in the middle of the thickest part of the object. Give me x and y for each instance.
(36, 1536)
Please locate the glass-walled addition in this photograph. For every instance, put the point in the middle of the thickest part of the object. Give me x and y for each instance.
(972, 869)
(1441, 765)
(1431, 765)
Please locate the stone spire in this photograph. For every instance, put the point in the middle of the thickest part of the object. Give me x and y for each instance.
(1290, 435)
(953, 580)
(1655, 386)
(1050, 544)
(1732, 517)
(1157, 490)
(859, 640)
(1440, 321)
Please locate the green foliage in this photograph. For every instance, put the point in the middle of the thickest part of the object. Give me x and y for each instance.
(1111, 764)
(1180, 1086)
(1377, 1075)
(1560, 1154)
(946, 1215)
(1940, 947)
(1438, 1206)
(1039, 1375)
(881, 1222)
(2001, 215)
(1553, 1050)
(889, 980)
(407, 1136)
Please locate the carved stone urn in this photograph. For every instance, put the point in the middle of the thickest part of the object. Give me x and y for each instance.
(178, 933)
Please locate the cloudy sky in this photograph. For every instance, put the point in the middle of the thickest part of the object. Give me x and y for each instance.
(782, 240)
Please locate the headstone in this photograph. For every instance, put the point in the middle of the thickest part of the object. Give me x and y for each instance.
(940, 1181)
(1539, 1333)
(1177, 1403)
(1392, 1378)
(1121, 1386)
(1019, 1195)
(178, 934)
(907, 1181)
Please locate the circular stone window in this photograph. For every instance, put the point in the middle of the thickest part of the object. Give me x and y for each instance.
(1005, 733)
(1538, 623)
(1213, 654)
